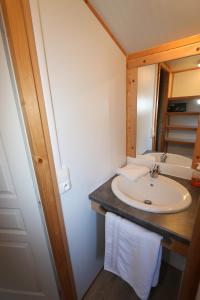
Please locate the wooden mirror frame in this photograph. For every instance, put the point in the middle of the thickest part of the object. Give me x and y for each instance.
(174, 50)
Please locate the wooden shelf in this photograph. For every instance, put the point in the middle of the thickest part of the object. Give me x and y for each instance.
(184, 98)
(179, 141)
(186, 113)
(181, 127)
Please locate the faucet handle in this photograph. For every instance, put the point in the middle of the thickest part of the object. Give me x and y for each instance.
(155, 170)
(163, 157)
(158, 168)
(154, 167)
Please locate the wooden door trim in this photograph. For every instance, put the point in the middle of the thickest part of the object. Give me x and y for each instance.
(131, 111)
(100, 19)
(19, 29)
(155, 137)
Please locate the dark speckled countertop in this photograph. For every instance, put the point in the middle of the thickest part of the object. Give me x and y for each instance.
(178, 226)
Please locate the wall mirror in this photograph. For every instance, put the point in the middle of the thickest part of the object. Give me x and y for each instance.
(168, 109)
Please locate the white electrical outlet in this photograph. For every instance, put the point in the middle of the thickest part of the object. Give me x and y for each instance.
(64, 182)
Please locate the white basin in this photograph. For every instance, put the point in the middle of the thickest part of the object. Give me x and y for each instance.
(161, 194)
(172, 158)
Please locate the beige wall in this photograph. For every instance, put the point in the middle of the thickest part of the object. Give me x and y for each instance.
(86, 85)
(186, 83)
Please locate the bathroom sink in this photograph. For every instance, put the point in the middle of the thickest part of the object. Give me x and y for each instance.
(158, 195)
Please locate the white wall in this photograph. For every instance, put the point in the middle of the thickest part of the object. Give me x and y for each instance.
(87, 85)
(146, 96)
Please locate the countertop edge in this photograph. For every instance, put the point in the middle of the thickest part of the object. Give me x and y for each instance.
(143, 223)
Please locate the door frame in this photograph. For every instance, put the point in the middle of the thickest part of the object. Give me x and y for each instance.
(19, 31)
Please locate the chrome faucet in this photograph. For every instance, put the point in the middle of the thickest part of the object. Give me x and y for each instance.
(154, 171)
(163, 157)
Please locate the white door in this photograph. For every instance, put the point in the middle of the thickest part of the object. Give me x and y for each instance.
(26, 269)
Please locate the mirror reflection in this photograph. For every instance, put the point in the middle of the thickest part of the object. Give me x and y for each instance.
(168, 109)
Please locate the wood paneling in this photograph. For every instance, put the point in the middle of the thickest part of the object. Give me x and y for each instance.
(186, 113)
(179, 141)
(166, 67)
(171, 82)
(19, 29)
(167, 46)
(176, 246)
(98, 208)
(196, 155)
(181, 127)
(131, 111)
(104, 26)
(158, 57)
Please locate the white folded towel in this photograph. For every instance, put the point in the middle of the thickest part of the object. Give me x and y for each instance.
(133, 253)
(133, 172)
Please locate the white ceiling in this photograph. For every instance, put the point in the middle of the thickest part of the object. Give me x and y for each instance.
(184, 63)
(142, 24)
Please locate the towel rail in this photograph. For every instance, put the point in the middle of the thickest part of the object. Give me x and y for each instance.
(168, 243)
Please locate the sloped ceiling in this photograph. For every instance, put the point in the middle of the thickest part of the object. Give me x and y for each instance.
(142, 24)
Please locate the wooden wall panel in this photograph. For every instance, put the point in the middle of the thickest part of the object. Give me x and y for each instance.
(196, 155)
(131, 111)
(166, 46)
(163, 56)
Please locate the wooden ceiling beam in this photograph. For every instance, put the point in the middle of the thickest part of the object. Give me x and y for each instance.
(162, 56)
(166, 46)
